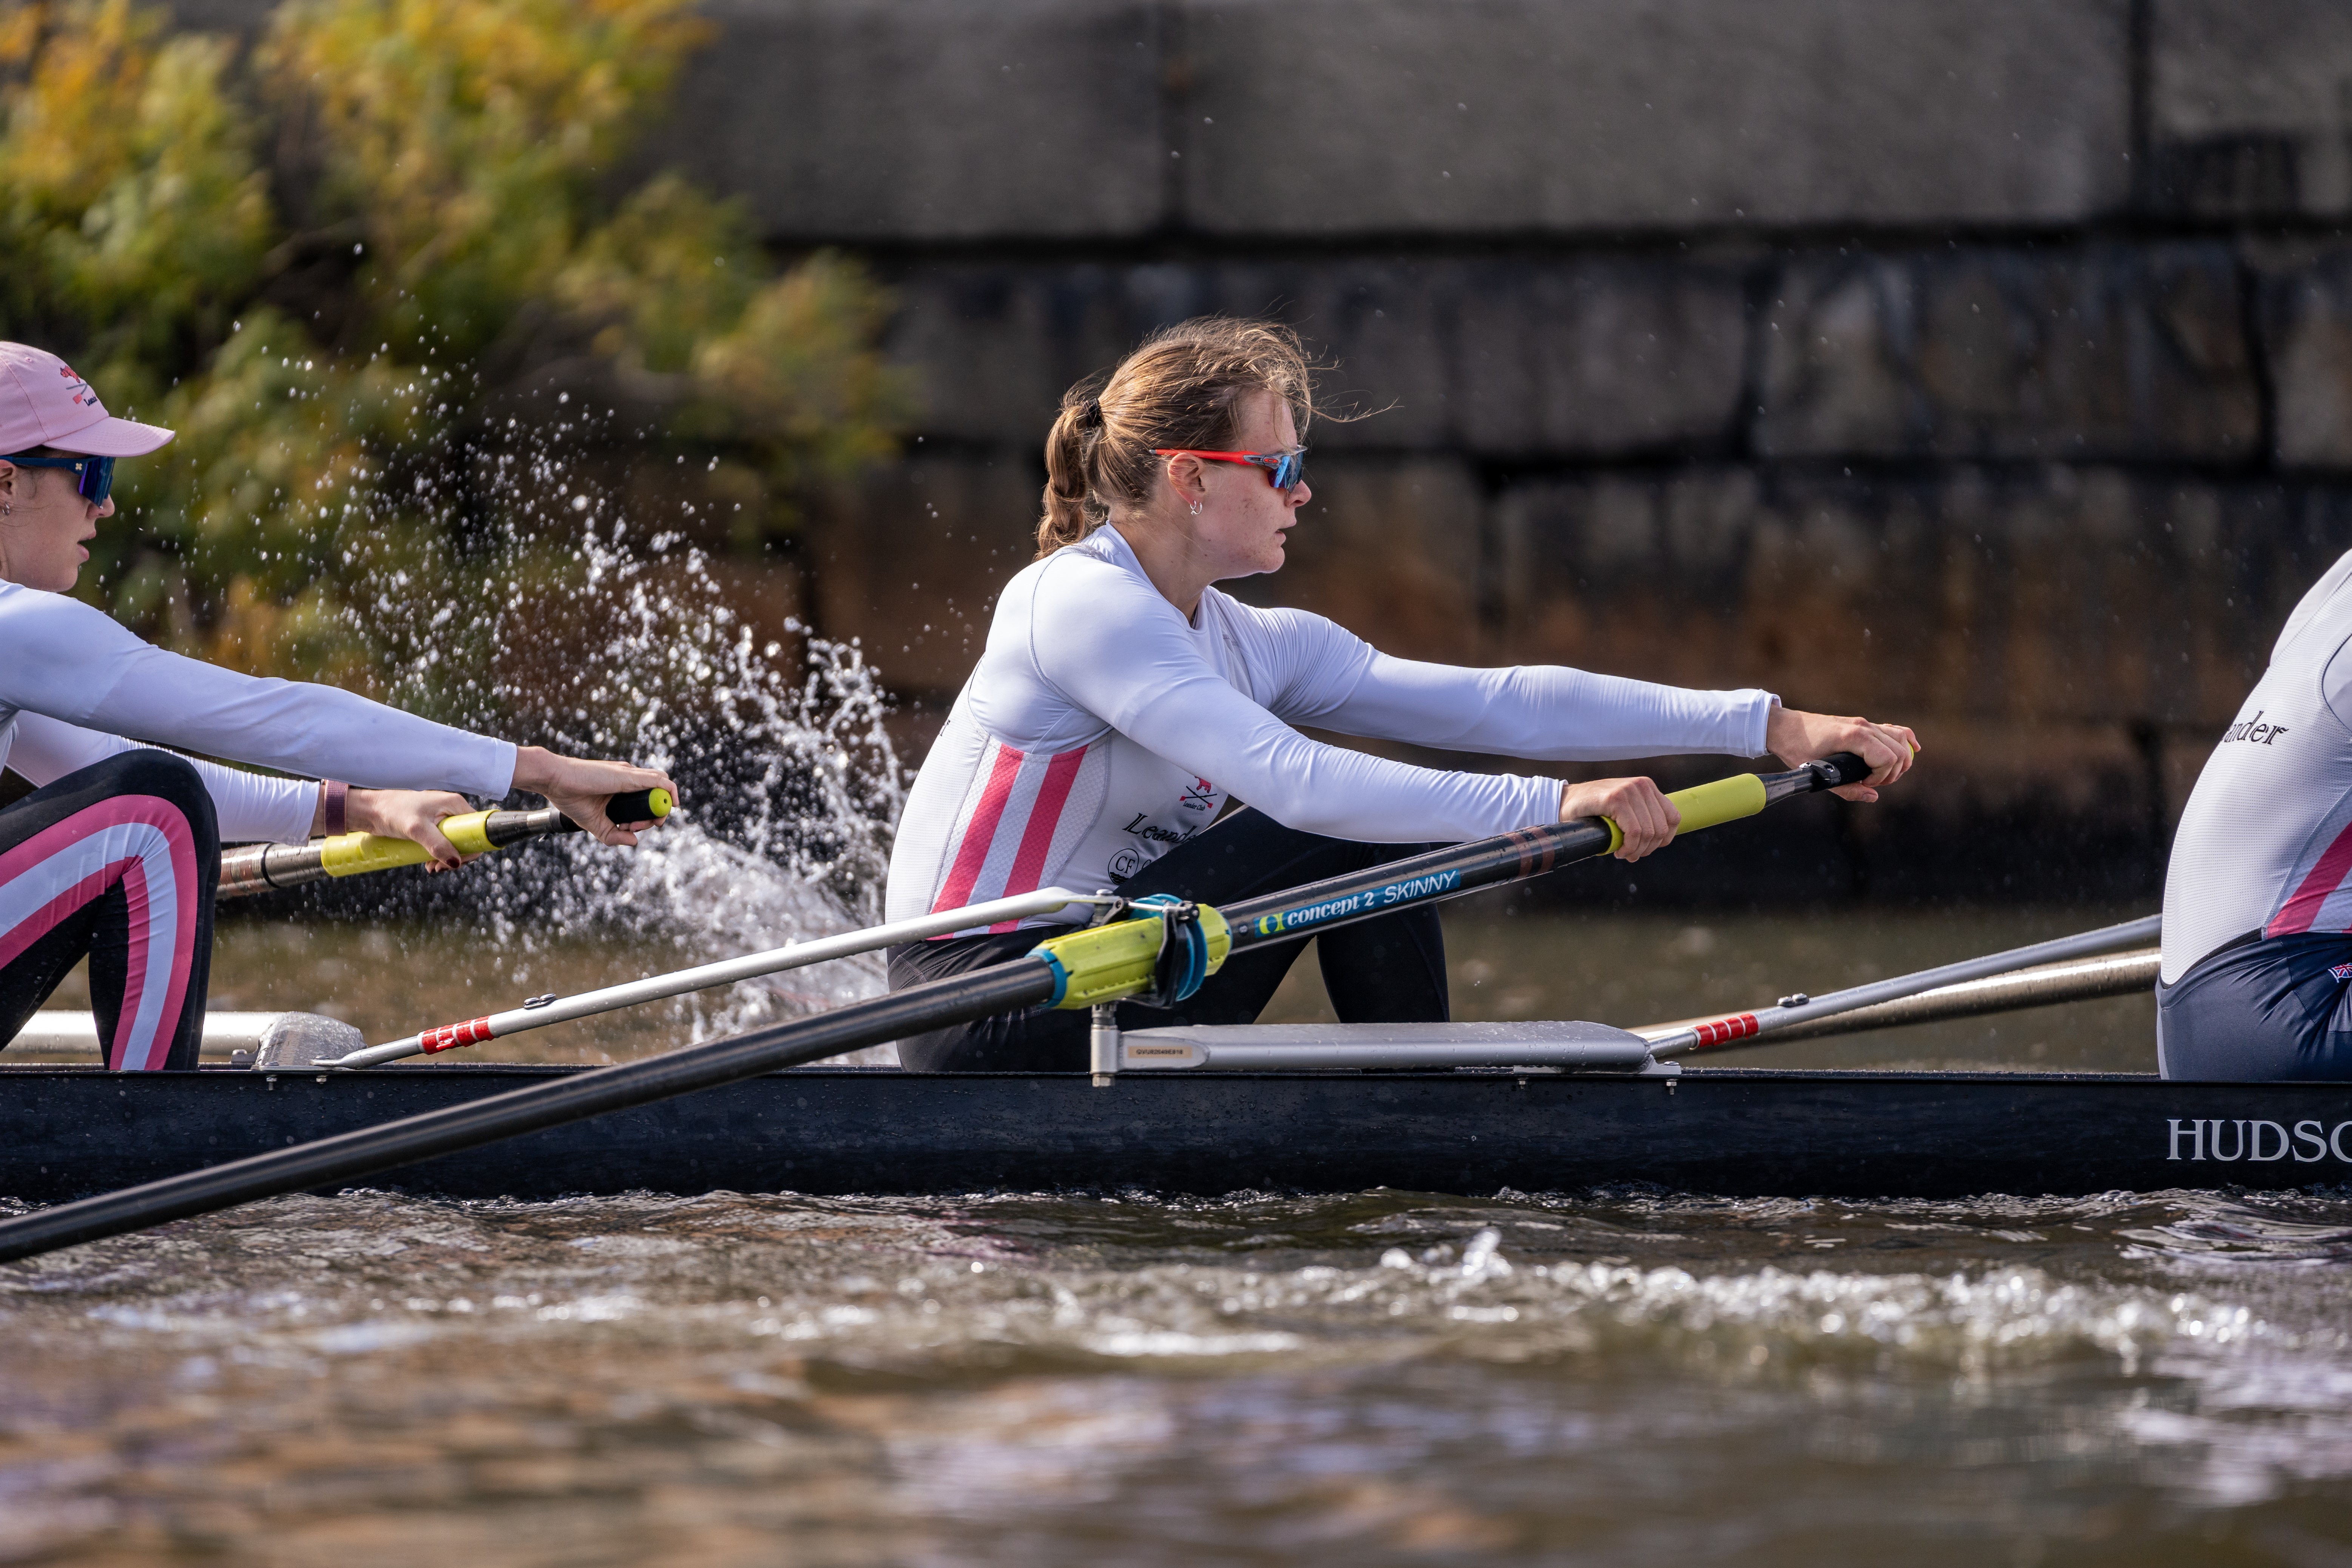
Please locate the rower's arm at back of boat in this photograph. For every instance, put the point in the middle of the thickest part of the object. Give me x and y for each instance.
(62, 658)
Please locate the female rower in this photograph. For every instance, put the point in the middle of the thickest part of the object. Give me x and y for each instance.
(2255, 985)
(1122, 700)
(115, 856)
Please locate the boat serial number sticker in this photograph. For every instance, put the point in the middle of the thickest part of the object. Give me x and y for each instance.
(2307, 1141)
(1403, 892)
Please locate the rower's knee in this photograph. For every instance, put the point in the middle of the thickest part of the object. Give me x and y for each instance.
(165, 777)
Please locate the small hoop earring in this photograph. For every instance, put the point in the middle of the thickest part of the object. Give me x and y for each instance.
(1196, 509)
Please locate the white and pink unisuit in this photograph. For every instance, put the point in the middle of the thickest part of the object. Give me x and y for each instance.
(2266, 843)
(1101, 728)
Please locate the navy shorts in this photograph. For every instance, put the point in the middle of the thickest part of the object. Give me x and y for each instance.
(2272, 1011)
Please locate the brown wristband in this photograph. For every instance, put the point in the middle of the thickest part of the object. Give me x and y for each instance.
(336, 797)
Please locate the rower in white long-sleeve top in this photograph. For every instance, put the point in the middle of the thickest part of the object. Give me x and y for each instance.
(2256, 979)
(1122, 700)
(115, 856)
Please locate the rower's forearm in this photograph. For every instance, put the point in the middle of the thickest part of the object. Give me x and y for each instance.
(1547, 712)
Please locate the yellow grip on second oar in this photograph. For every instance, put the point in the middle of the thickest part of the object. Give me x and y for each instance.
(1105, 963)
(348, 854)
(1707, 806)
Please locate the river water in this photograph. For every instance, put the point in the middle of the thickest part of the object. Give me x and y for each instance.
(1380, 1377)
(1383, 1377)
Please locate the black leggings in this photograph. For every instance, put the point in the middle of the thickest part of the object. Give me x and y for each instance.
(117, 861)
(1390, 970)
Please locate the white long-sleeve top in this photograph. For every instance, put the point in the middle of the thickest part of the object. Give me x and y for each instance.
(1101, 728)
(76, 687)
(2265, 842)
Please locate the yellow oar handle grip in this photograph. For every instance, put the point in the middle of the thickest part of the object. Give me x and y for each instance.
(348, 854)
(1114, 960)
(476, 833)
(1706, 805)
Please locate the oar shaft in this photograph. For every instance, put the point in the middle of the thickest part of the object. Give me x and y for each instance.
(726, 972)
(1735, 1027)
(1514, 856)
(2083, 979)
(351, 1155)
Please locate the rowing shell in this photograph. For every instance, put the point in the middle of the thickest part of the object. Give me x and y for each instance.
(70, 1131)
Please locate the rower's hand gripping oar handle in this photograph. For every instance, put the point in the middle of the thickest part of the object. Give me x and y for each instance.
(1838, 770)
(259, 868)
(635, 805)
(1719, 801)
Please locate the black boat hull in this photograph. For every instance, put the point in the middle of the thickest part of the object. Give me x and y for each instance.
(68, 1133)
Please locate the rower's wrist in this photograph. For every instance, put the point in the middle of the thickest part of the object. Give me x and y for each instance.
(360, 813)
(534, 769)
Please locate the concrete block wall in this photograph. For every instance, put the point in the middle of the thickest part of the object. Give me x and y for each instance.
(1987, 366)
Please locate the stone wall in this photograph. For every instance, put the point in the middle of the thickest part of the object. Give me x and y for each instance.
(1988, 367)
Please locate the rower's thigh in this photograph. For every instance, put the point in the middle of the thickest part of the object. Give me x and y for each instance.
(1390, 969)
(118, 860)
(36, 968)
(1041, 1040)
(2274, 1011)
(1249, 853)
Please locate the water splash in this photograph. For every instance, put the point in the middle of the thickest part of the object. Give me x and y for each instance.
(589, 616)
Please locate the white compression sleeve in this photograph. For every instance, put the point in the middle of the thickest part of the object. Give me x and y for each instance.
(253, 808)
(71, 662)
(1548, 712)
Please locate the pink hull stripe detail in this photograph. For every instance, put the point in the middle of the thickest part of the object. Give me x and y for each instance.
(2299, 911)
(972, 854)
(1045, 820)
(143, 844)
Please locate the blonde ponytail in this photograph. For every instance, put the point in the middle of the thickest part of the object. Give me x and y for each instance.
(1069, 456)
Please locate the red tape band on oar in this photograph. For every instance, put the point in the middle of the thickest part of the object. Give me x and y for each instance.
(449, 1037)
(1723, 1030)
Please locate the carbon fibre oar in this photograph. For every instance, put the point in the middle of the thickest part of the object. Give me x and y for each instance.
(1733, 1028)
(1099, 965)
(2045, 985)
(541, 1011)
(264, 868)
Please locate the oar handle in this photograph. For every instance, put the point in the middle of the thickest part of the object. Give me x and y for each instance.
(1710, 804)
(1719, 801)
(1838, 770)
(636, 806)
(260, 867)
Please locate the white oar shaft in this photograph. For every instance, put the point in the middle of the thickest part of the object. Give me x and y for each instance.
(726, 972)
(1770, 1020)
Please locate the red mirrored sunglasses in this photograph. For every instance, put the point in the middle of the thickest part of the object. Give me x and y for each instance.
(1283, 469)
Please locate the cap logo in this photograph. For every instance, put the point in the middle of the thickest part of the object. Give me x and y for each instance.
(83, 396)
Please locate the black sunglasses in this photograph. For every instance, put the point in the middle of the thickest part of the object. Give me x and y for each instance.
(97, 480)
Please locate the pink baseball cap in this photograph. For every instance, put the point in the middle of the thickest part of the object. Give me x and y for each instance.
(44, 403)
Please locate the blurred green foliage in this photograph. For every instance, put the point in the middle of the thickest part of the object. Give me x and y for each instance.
(383, 270)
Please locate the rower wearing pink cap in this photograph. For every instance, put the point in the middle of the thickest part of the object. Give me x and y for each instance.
(115, 855)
